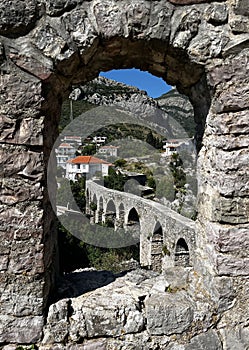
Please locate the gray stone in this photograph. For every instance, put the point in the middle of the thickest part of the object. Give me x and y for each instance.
(24, 330)
(241, 8)
(217, 14)
(169, 314)
(18, 17)
(205, 341)
(235, 338)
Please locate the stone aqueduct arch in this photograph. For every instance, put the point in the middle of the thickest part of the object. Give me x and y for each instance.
(47, 46)
(153, 219)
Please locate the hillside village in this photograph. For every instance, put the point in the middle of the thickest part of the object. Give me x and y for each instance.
(124, 157)
(149, 144)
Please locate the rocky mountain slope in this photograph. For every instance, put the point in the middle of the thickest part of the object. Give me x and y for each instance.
(171, 114)
(178, 107)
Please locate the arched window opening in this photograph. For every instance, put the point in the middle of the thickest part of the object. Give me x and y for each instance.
(110, 214)
(94, 203)
(133, 217)
(156, 248)
(133, 223)
(182, 253)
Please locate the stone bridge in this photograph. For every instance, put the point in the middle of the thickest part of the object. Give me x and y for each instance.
(199, 46)
(166, 237)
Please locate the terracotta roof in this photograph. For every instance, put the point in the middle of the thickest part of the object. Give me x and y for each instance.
(87, 160)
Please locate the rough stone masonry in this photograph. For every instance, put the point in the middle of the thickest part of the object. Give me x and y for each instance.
(201, 47)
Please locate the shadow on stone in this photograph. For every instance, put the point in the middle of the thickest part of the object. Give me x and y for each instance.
(74, 284)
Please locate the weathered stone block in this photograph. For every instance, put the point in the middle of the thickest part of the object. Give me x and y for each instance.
(229, 98)
(57, 322)
(205, 341)
(21, 295)
(229, 239)
(28, 164)
(231, 69)
(108, 319)
(58, 7)
(228, 124)
(230, 265)
(217, 13)
(231, 211)
(18, 17)
(209, 42)
(172, 313)
(159, 15)
(22, 221)
(235, 338)
(24, 330)
(241, 7)
(18, 131)
(26, 258)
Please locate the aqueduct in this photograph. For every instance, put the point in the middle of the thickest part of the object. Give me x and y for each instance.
(151, 217)
(46, 47)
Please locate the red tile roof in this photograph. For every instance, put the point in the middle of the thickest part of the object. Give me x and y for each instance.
(87, 160)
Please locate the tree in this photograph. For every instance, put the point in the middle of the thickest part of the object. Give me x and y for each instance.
(177, 172)
(120, 163)
(151, 182)
(150, 138)
(115, 180)
(78, 191)
(88, 150)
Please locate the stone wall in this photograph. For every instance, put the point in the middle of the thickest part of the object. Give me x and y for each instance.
(45, 47)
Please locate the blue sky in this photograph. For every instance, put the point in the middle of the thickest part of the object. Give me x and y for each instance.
(154, 86)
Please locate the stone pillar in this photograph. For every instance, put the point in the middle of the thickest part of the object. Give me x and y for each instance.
(26, 230)
(99, 216)
(223, 221)
(156, 252)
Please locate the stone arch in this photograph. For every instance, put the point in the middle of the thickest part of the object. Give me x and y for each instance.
(94, 200)
(110, 213)
(157, 247)
(133, 217)
(182, 256)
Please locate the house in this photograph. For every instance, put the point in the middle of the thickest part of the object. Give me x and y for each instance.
(174, 145)
(64, 152)
(74, 141)
(99, 140)
(86, 165)
(109, 150)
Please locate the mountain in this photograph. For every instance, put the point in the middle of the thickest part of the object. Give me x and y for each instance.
(178, 107)
(170, 115)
